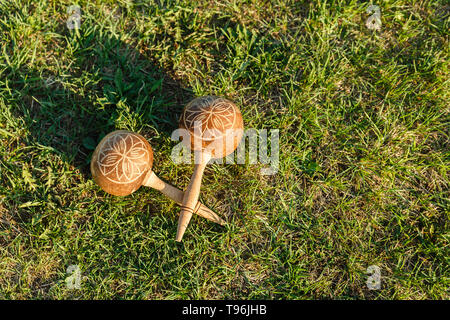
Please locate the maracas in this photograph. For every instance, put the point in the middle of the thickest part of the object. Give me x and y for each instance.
(122, 162)
(215, 129)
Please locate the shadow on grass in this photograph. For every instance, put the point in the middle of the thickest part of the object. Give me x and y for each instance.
(110, 85)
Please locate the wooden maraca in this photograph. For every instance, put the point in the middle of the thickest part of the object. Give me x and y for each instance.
(122, 162)
(215, 129)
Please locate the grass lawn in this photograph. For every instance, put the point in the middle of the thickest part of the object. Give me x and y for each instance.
(363, 119)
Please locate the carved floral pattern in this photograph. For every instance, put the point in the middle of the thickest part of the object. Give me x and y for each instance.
(123, 158)
(209, 117)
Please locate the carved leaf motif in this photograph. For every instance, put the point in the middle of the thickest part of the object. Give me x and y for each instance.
(123, 158)
(209, 117)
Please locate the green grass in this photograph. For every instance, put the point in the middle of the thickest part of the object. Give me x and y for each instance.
(364, 149)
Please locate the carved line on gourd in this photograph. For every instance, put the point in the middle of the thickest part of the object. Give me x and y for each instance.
(132, 157)
(216, 115)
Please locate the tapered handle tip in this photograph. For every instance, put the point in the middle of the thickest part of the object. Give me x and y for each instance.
(180, 234)
(183, 222)
(207, 213)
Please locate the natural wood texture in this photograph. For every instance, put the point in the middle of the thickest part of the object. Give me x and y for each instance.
(215, 128)
(177, 195)
(214, 125)
(122, 162)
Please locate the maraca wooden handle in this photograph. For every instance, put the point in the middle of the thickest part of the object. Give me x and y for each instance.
(215, 129)
(190, 199)
(177, 195)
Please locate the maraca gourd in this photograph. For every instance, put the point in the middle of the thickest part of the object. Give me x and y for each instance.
(122, 162)
(215, 128)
